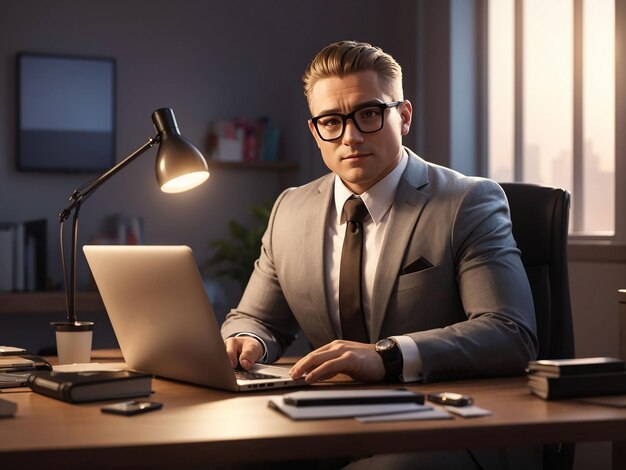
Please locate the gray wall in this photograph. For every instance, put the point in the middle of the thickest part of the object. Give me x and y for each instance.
(207, 60)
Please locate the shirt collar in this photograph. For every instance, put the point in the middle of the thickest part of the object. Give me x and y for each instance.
(378, 198)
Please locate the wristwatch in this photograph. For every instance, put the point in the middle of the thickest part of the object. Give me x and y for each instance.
(392, 358)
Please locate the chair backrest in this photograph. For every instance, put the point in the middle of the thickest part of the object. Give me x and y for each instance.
(540, 217)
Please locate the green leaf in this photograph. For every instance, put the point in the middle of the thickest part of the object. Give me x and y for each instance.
(234, 257)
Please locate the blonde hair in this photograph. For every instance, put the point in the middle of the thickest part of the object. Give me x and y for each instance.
(347, 57)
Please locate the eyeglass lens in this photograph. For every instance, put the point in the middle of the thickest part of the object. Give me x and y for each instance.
(367, 120)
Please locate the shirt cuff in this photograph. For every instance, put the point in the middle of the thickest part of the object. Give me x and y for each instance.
(411, 359)
(263, 358)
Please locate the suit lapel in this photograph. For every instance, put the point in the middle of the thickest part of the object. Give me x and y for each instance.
(406, 208)
(314, 241)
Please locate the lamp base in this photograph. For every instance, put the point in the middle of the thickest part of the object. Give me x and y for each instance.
(73, 341)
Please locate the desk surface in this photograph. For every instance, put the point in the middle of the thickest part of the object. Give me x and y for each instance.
(198, 426)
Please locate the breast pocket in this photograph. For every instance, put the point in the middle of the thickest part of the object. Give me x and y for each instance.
(420, 278)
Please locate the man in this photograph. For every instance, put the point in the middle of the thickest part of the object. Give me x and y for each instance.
(443, 294)
(469, 314)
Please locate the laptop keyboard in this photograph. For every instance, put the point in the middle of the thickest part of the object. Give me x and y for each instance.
(248, 375)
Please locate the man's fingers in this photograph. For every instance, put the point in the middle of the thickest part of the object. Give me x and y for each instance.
(251, 351)
(310, 362)
(358, 360)
(244, 350)
(232, 349)
(319, 356)
(327, 369)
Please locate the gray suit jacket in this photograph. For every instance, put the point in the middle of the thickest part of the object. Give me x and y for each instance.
(471, 314)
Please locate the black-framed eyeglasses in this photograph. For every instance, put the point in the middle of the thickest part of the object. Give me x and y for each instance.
(367, 119)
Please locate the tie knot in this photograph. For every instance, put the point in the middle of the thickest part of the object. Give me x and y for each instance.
(355, 210)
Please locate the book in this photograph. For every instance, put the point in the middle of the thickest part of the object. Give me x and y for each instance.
(271, 142)
(35, 255)
(23, 254)
(14, 379)
(577, 386)
(6, 255)
(18, 257)
(15, 364)
(7, 408)
(568, 367)
(80, 387)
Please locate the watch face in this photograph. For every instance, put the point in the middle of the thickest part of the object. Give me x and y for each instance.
(385, 344)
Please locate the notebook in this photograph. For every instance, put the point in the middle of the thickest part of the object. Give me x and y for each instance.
(164, 321)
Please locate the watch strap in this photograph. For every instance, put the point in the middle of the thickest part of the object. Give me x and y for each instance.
(392, 359)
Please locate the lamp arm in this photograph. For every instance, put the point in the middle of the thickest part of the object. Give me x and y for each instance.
(78, 197)
(82, 193)
(70, 300)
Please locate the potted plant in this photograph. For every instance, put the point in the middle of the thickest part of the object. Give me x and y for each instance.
(234, 257)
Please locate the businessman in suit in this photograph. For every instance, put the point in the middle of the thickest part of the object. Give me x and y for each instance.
(441, 272)
(441, 294)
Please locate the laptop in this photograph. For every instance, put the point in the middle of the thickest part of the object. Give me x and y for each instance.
(164, 321)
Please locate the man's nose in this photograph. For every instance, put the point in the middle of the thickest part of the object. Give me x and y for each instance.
(351, 133)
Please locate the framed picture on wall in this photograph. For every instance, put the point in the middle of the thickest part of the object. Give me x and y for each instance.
(65, 113)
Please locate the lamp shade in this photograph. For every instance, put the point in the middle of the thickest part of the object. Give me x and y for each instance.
(179, 165)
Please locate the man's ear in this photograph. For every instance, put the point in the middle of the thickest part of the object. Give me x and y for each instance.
(314, 133)
(406, 114)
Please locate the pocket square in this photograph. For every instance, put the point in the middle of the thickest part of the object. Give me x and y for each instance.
(419, 264)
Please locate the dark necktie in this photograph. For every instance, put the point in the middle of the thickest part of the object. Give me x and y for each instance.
(350, 301)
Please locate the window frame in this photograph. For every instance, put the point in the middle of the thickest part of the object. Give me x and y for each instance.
(582, 246)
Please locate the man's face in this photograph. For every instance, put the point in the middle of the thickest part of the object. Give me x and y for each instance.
(360, 159)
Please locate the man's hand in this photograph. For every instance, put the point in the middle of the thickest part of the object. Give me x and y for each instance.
(358, 360)
(244, 350)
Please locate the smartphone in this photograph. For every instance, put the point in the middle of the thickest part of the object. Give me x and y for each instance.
(129, 408)
(450, 399)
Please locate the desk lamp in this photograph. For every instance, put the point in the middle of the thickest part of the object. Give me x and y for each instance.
(179, 167)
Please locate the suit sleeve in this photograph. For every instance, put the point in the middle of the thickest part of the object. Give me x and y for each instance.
(263, 309)
(499, 337)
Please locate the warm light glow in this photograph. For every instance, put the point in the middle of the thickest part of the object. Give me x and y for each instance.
(548, 103)
(185, 182)
(548, 92)
(501, 90)
(598, 116)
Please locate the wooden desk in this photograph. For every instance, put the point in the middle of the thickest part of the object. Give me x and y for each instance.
(198, 426)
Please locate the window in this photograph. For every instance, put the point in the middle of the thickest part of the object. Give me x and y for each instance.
(551, 115)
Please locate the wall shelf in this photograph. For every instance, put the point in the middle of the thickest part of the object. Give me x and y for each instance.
(283, 165)
(48, 302)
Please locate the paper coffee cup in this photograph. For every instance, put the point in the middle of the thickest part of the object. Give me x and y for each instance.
(73, 341)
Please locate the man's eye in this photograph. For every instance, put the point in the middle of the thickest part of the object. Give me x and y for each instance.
(369, 113)
(330, 121)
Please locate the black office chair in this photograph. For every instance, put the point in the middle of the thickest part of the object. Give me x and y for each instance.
(540, 218)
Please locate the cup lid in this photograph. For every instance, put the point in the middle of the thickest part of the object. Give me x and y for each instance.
(76, 326)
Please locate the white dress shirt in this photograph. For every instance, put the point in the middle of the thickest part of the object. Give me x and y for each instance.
(378, 200)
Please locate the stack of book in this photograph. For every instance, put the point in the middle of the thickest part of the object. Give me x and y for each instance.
(80, 387)
(23, 256)
(242, 140)
(575, 378)
(16, 366)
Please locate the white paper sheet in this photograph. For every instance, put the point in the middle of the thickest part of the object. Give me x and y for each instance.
(91, 366)
(471, 411)
(435, 413)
